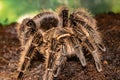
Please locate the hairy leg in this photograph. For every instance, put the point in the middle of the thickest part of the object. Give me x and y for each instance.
(75, 43)
(94, 51)
(28, 52)
(25, 61)
(84, 27)
(64, 15)
(87, 23)
(55, 58)
(21, 31)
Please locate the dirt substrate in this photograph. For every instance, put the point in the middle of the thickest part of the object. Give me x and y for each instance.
(109, 27)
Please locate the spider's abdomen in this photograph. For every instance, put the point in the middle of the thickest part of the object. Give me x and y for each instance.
(48, 23)
(47, 20)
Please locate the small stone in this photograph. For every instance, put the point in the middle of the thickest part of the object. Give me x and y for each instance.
(105, 62)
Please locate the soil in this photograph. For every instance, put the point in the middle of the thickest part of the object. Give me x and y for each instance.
(108, 26)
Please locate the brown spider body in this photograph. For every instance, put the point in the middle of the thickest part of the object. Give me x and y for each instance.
(58, 36)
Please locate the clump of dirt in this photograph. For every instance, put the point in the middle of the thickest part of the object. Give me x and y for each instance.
(109, 27)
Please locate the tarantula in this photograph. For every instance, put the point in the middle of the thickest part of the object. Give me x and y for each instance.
(58, 35)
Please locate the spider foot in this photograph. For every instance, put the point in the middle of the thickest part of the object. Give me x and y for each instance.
(97, 61)
(101, 47)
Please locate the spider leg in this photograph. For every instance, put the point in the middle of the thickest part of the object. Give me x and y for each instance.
(77, 49)
(55, 59)
(84, 27)
(21, 31)
(27, 54)
(51, 56)
(83, 18)
(25, 30)
(63, 14)
(89, 42)
(60, 59)
(94, 36)
(94, 51)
